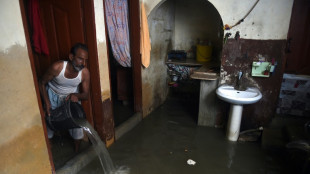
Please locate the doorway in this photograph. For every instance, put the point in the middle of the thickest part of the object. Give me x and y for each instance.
(176, 28)
(57, 19)
(126, 85)
(64, 24)
(298, 40)
(121, 90)
(80, 13)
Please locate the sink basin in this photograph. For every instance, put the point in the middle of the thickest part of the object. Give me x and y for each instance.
(233, 96)
(237, 99)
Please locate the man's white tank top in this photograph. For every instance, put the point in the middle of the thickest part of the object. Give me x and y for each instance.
(64, 86)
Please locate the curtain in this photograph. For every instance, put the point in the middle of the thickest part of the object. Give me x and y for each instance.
(117, 24)
(38, 39)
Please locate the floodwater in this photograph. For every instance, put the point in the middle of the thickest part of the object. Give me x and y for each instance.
(101, 150)
(164, 141)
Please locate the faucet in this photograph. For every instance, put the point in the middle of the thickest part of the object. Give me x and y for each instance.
(238, 81)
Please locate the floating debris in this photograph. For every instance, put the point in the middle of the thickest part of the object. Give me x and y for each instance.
(191, 162)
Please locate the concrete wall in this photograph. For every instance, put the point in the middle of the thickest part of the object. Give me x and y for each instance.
(268, 20)
(263, 33)
(154, 78)
(238, 56)
(197, 20)
(22, 143)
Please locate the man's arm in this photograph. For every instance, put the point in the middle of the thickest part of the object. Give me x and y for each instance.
(85, 88)
(52, 72)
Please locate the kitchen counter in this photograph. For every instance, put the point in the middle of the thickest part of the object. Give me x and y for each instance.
(208, 73)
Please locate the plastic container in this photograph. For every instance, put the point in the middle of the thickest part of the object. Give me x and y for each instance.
(177, 54)
(63, 117)
(203, 53)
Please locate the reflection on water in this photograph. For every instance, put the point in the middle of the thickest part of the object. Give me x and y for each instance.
(101, 150)
(231, 151)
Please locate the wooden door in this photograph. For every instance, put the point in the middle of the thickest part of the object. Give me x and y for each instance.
(298, 46)
(63, 24)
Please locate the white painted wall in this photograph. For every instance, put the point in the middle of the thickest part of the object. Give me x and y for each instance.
(197, 19)
(269, 19)
(11, 32)
(99, 20)
(102, 50)
(22, 141)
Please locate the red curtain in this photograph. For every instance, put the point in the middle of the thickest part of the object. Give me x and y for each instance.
(38, 39)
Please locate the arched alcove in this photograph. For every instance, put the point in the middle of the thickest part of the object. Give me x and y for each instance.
(190, 22)
(177, 25)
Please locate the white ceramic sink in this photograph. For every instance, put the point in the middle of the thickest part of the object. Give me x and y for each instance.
(237, 99)
(230, 95)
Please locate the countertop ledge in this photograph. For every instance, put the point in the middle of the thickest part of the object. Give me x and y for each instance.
(205, 76)
(206, 70)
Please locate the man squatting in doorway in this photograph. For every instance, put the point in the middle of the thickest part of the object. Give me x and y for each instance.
(61, 82)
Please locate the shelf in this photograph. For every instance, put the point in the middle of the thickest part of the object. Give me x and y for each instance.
(186, 62)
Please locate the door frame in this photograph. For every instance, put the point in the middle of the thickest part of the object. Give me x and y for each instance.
(90, 40)
(134, 30)
(134, 35)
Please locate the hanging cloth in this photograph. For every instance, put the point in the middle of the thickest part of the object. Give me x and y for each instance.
(38, 39)
(117, 23)
(145, 44)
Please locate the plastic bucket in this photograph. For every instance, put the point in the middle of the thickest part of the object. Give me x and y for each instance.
(62, 118)
(204, 53)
